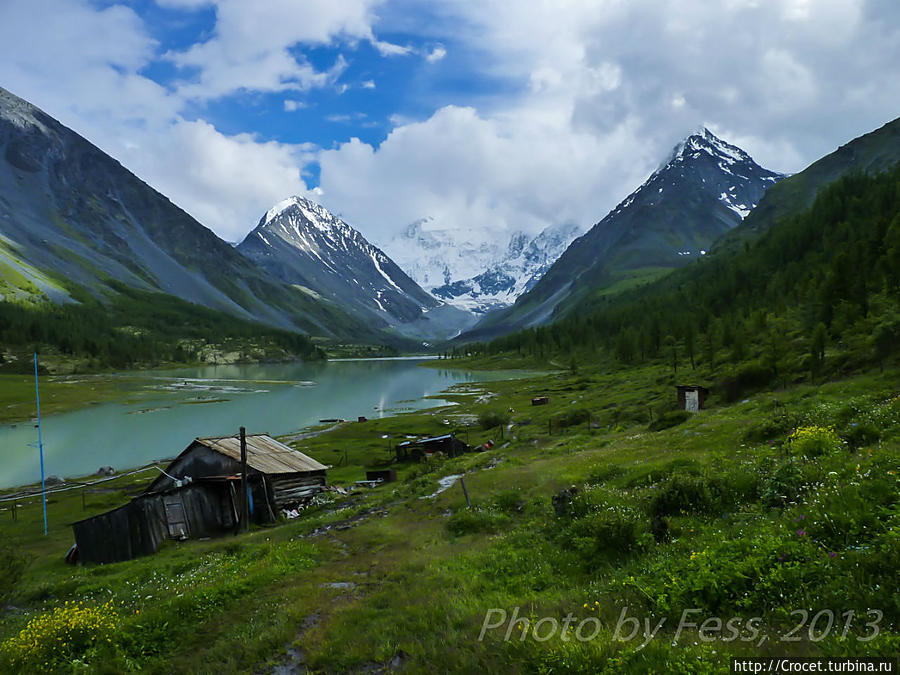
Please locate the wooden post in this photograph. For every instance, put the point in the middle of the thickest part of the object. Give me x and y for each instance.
(462, 481)
(82, 498)
(245, 503)
(265, 484)
(14, 513)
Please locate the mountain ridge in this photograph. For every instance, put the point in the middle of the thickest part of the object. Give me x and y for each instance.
(301, 243)
(703, 189)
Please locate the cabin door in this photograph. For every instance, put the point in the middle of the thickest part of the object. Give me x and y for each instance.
(692, 401)
(178, 528)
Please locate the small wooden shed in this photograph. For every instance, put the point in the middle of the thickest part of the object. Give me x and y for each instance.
(199, 496)
(692, 397)
(277, 473)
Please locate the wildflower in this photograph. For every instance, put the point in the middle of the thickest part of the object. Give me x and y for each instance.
(801, 533)
(832, 554)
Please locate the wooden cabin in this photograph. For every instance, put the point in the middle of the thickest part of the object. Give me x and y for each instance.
(198, 495)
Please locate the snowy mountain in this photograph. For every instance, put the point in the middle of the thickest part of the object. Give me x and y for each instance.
(303, 244)
(703, 189)
(475, 274)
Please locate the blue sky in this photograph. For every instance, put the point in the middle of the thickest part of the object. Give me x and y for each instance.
(486, 116)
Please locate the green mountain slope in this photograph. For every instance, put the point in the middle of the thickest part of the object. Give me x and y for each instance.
(817, 291)
(871, 153)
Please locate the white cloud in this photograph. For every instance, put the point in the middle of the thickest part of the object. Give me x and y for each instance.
(604, 90)
(390, 49)
(230, 180)
(368, 84)
(436, 54)
(291, 105)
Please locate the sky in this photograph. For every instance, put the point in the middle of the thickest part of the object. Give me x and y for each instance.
(488, 116)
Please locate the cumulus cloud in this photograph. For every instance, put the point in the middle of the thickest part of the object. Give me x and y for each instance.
(605, 89)
(230, 180)
(83, 65)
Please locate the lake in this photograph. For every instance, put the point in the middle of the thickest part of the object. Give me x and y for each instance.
(166, 410)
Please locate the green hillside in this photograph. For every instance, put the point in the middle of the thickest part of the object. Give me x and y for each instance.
(817, 294)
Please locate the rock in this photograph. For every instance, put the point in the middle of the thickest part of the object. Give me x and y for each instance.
(106, 471)
(53, 480)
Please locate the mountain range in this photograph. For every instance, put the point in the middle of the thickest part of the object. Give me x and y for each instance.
(302, 244)
(476, 270)
(74, 223)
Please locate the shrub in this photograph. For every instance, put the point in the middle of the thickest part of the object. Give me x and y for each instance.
(682, 493)
(509, 501)
(783, 485)
(489, 419)
(669, 420)
(614, 531)
(572, 418)
(814, 441)
(60, 636)
(702, 494)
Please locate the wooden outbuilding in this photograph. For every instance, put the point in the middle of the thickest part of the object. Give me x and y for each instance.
(692, 397)
(199, 495)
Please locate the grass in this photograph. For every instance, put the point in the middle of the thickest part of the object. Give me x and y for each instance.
(61, 393)
(722, 513)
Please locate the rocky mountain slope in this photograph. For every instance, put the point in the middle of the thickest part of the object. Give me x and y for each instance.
(704, 189)
(301, 243)
(73, 220)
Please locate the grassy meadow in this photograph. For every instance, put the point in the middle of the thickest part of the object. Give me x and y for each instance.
(607, 503)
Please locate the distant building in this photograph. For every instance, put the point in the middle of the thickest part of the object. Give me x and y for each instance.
(692, 397)
(199, 496)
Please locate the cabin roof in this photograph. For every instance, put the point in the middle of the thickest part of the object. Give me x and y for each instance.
(264, 454)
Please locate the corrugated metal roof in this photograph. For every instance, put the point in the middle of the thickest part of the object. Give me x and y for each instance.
(264, 454)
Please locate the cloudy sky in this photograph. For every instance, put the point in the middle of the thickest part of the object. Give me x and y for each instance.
(487, 115)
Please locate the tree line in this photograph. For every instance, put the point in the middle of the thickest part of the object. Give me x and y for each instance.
(827, 280)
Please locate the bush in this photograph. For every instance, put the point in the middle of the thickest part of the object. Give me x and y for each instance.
(59, 637)
(572, 418)
(686, 493)
(814, 441)
(489, 419)
(611, 532)
(475, 520)
(783, 485)
(669, 420)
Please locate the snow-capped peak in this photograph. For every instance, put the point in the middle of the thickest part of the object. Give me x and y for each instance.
(706, 141)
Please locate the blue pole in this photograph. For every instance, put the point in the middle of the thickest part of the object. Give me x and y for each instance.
(37, 396)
